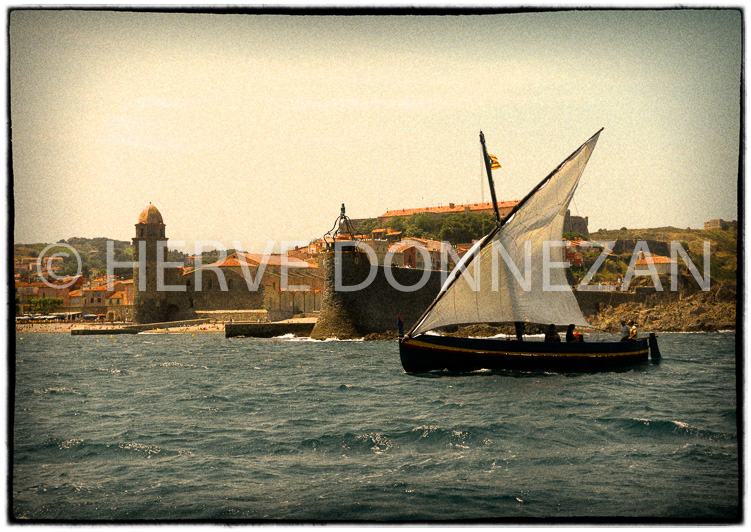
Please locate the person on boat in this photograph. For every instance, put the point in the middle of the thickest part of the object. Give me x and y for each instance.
(572, 336)
(552, 334)
(625, 330)
(519, 326)
(632, 333)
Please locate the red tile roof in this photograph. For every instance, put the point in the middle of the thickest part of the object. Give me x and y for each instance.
(432, 245)
(99, 288)
(446, 209)
(117, 295)
(655, 259)
(396, 248)
(239, 258)
(274, 260)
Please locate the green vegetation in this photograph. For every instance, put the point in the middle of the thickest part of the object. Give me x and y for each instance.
(572, 235)
(615, 266)
(723, 263)
(209, 257)
(93, 253)
(44, 305)
(460, 228)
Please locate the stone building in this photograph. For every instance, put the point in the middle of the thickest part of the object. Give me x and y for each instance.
(719, 223)
(287, 285)
(152, 303)
(645, 263)
(576, 224)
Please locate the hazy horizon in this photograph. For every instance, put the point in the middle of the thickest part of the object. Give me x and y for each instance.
(256, 128)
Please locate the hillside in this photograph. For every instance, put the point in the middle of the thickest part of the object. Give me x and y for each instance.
(723, 262)
(93, 254)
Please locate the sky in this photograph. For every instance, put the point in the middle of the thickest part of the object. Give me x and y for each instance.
(255, 128)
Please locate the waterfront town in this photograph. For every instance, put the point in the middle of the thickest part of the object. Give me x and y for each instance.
(290, 285)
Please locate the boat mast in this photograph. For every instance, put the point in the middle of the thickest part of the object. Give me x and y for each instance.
(490, 178)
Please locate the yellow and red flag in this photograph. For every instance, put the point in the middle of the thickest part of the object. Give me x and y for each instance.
(494, 162)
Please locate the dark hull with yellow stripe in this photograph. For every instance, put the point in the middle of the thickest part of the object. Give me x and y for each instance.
(428, 353)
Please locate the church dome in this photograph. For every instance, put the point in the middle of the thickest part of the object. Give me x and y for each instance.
(150, 215)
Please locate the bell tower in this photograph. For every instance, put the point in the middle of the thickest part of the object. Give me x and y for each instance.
(149, 233)
(150, 230)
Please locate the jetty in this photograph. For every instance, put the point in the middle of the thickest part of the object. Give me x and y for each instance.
(296, 326)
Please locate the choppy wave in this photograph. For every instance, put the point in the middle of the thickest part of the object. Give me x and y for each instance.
(117, 372)
(297, 429)
(58, 389)
(423, 438)
(292, 338)
(663, 428)
(176, 364)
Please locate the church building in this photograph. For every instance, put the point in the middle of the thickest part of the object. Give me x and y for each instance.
(287, 287)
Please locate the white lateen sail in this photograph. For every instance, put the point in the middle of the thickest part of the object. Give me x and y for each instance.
(517, 273)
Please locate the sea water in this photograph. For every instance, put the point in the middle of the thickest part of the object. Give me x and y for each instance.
(173, 427)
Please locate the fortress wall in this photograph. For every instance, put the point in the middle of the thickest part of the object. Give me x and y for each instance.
(576, 224)
(656, 247)
(375, 307)
(238, 295)
(253, 316)
(592, 302)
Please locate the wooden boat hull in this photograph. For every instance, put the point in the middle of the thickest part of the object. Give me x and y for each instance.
(427, 353)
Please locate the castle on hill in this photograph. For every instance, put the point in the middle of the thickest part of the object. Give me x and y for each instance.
(575, 224)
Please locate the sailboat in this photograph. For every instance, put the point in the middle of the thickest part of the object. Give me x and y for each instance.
(515, 274)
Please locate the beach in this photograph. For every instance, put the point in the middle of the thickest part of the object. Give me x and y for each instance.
(26, 328)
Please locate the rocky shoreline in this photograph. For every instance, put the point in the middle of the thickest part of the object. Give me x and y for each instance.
(714, 310)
